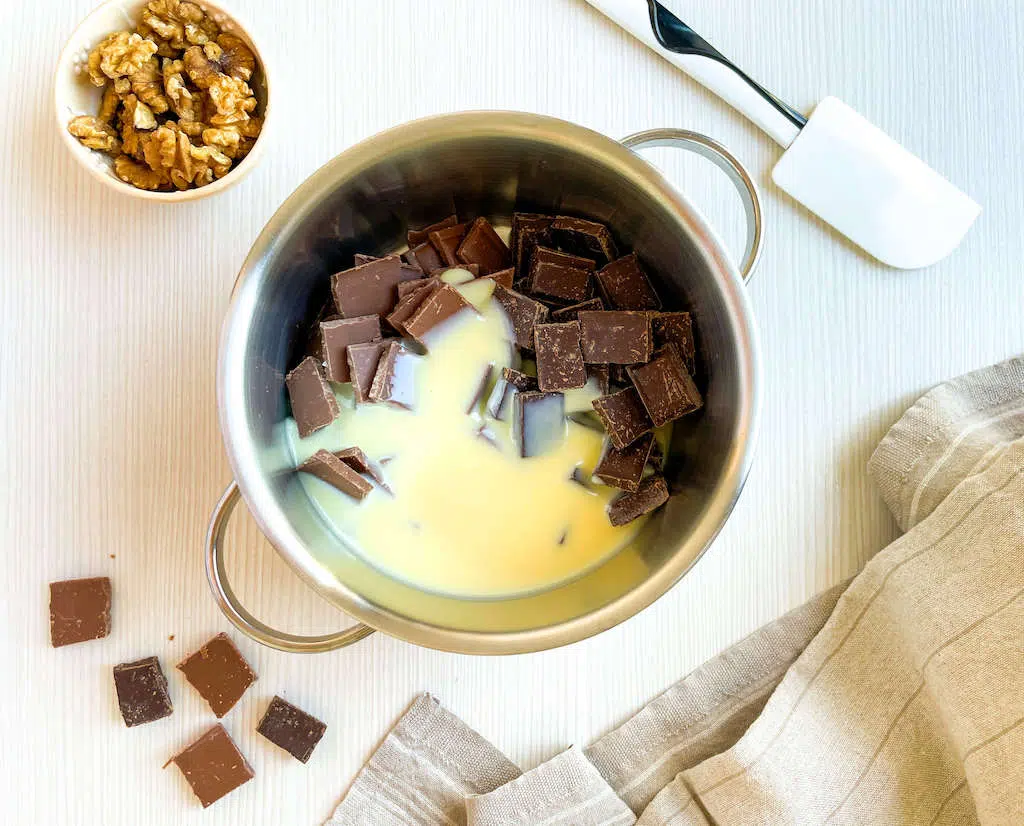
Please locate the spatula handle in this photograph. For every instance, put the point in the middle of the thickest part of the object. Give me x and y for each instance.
(651, 23)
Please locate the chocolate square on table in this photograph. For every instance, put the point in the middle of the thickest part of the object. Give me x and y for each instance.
(313, 403)
(665, 386)
(219, 672)
(395, 380)
(338, 335)
(439, 306)
(418, 236)
(615, 336)
(213, 766)
(651, 494)
(142, 691)
(528, 231)
(362, 365)
(337, 473)
(483, 246)
(625, 286)
(369, 289)
(523, 312)
(582, 237)
(624, 416)
(559, 276)
(625, 468)
(538, 423)
(572, 312)
(427, 258)
(79, 610)
(559, 357)
(677, 329)
(446, 241)
(291, 728)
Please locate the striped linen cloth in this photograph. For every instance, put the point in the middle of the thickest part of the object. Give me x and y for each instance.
(897, 700)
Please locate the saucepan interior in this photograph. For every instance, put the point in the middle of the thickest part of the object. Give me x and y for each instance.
(485, 163)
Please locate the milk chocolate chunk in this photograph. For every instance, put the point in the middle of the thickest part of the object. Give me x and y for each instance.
(142, 691)
(418, 236)
(360, 463)
(339, 335)
(523, 312)
(528, 230)
(394, 382)
(582, 237)
(623, 416)
(213, 766)
(652, 493)
(219, 672)
(362, 366)
(427, 258)
(369, 289)
(538, 423)
(677, 329)
(625, 468)
(291, 728)
(572, 312)
(565, 278)
(503, 277)
(407, 287)
(313, 402)
(615, 336)
(483, 246)
(480, 390)
(508, 384)
(359, 259)
(410, 303)
(337, 473)
(411, 260)
(625, 286)
(446, 241)
(559, 357)
(665, 386)
(79, 610)
(439, 306)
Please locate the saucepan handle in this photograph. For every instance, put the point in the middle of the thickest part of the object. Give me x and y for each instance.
(728, 163)
(237, 613)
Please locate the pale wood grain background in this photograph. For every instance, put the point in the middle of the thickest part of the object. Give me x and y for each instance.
(110, 316)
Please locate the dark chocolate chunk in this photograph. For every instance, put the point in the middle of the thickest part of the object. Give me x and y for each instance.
(677, 329)
(528, 230)
(338, 335)
(572, 312)
(369, 289)
(410, 303)
(394, 381)
(625, 468)
(313, 402)
(439, 306)
(362, 366)
(652, 493)
(503, 277)
(625, 287)
(446, 241)
(523, 312)
(615, 336)
(618, 374)
(407, 287)
(508, 384)
(418, 236)
(562, 277)
(483, 246)
(582, 237)
(559, 357)
(359, 259)
(142, 691)
(219, 672)
(291, 728)
(538, 422)
(332, 470)
(213, 766)
(665, 386)
(79, 610)
(600, 372)
(428, 258)
(480, 390)
(623, 416)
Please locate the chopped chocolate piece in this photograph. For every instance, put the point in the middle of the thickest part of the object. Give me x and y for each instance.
(360, 259)
(409, 257)
(418, 236)
(503, 277)
(559, 357)
(291, 728)
(339, 335)
(623, 416)
(528, 230)
(509, 383)
(665, 387)
(313, 402)
(600, 373)
(394, 381)
(458, 275)
(677, 329)
(428, 258)
(410, 303)
(369, 289)
(578, 477)
(617, 373)
(582, 237)
(572, 312)
(652, 493)
(523, 312)
(358, 461)
(439, 306)
(625, 287)
(219, 672)
(362, 367)
(538, 423)
(407, 287)
(480, 391)
(213, 766)
(332, 470)
(624, 468)
(446, 241)
(142, 691)
(79, 610)
(483, 246)
(556, 275)
(615, 336)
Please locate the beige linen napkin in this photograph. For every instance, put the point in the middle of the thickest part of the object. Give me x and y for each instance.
(904, 704)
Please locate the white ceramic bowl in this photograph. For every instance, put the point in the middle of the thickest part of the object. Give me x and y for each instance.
(74, 95)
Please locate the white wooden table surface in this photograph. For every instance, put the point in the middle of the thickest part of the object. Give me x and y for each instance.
(112, 458)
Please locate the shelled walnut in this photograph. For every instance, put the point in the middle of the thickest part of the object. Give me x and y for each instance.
(177, 110)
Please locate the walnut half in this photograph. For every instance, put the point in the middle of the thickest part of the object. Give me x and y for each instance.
(95, 134)
(120, 55)
(139, 175)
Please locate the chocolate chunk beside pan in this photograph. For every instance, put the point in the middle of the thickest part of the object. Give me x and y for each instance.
(291, 728)
(559, 357)
(483, 246)
(79, 610)
(615, 336)
(334, 471)
(624, 416)
(651, 494)
(313, 402)
(665, 386)
(213, 766)
(339, 334)
(625, 468)
(142, 691)
(625, 286)
(219, 672)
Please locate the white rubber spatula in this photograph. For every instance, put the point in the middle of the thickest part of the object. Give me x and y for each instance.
(836, 163)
